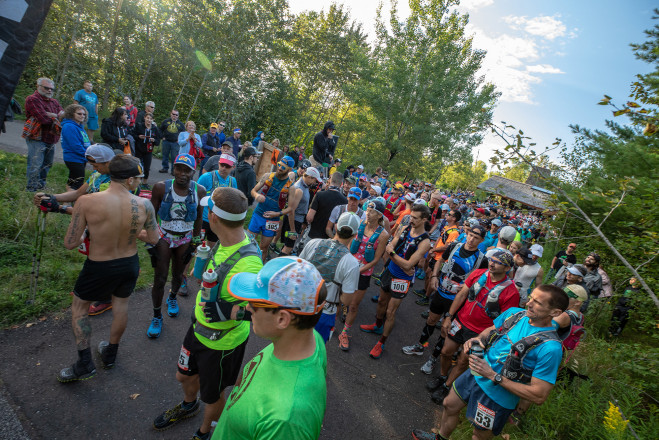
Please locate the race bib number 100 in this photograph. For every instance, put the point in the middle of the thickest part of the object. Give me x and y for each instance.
(400, 286)
(484, 416)
(272, 225)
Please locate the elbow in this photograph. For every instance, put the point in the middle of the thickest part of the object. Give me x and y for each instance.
(70, 246)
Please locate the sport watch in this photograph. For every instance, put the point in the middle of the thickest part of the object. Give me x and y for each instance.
(497, 379)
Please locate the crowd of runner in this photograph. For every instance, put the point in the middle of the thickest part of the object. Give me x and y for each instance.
(319, 236)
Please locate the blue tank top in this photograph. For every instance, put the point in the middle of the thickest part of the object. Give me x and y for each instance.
(271, 202)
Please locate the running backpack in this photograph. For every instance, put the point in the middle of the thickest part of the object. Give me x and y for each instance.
(574, 337)
(369, 251)
(283, 193)
(414, 245)
(191, 202)
(326, 258)
(491, 306)
(216, 181)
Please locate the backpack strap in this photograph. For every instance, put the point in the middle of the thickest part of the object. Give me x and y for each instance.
(250, 249)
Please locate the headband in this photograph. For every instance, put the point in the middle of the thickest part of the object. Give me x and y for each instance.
(221, 213)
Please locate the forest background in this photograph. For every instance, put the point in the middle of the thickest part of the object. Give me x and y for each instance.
(410, 101)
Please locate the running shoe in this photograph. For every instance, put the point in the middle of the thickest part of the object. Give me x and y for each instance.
(376, 352)
(344, 341)
(163, 170)
(371, 328)
(108, 356)
(421, 293)
(172, 416)
(99, 307)
(375, 298)
(515, 418)
(429, 365)
(435, 383)
(378, 282)
(155, 328)
(172, 307)
(416, 349)
(423, 301)
(417, 434)
(199, 436)
(77, 372)
(183, 290)
(438, 395)
(425, 314)
(420, 274)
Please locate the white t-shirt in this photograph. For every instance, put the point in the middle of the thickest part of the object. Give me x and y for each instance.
(347, 274)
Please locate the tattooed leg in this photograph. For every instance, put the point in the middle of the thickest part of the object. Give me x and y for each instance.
(119, 318)
(82, 329)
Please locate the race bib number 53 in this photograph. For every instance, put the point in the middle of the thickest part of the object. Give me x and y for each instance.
(484, 416)
(400, 286)
(184, 359)
(272, 225)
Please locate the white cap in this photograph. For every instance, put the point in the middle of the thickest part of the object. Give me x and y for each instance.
(508, 233)
(361, 166)
(496, 222)
(313, 172)
(377, 189)
(445, 207)
(537, 250)
(411, 197)
(350, 220)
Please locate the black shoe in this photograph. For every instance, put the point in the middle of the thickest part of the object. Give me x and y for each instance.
(164, 170)
(108, 356)
(439, 395)
(172, 416)
(77, 372)
(435, 383)
(423, 301)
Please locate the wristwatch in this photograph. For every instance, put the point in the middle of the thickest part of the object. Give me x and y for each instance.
(497, 379)
(392, 253)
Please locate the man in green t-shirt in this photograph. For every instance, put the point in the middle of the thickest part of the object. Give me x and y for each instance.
(282, 392)
(214, 346)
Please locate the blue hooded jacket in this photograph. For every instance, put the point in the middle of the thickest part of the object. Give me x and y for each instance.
(74, 141)
(257, 139)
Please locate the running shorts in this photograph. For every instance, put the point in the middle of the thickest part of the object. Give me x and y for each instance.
(101, 280)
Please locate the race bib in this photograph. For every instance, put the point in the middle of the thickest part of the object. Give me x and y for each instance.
(400, 286)
(184, 359)
(272, 225)
(455, 327)
(484, 416)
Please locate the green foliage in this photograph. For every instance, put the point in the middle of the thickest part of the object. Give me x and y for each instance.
(59, 267)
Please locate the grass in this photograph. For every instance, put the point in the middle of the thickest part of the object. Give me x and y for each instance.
(59, 267)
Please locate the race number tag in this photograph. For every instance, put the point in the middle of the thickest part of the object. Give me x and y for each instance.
(455, 327)
(183, 359)
(484, 417)
(272, 225)
(400, 286)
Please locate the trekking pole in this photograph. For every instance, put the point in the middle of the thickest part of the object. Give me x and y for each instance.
(36, 254)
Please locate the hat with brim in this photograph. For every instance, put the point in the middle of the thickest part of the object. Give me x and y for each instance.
(288, 161)
(576, 291)
(577, 270)
(288, 282)
(227, 159)
(101, 153)
(187, 160)
(355, 193)
(526, 255)
(504, 256)
(313, 172)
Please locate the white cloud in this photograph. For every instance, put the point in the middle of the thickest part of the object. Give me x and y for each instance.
(472, 5)
(542, 26)
(543, 68)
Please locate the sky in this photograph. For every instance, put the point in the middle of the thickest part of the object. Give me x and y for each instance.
(552, 61)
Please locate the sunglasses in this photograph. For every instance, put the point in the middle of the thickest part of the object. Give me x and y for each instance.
(48, 88)
(223, 165)
(282, 166)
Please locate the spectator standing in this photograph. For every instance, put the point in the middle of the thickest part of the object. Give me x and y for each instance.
(257, 140)
(170, 129)
(74, 144)
(88, 99)
(323, 146)
(146, 136)
(189, 142)
(132, 111)
(592, 279)
(41, 132)
(210, 143)
(235, 141)
(114, 131)
(149, 107)
(245, 174)
(562, 258)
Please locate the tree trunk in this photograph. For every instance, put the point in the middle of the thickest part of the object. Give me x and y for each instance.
(194, 103)
(183, 87)
(61, 73)
(113, 44)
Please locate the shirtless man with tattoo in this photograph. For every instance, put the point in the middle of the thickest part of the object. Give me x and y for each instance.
(116, 219)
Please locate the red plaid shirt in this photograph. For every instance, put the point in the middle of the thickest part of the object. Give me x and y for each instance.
(37, 106)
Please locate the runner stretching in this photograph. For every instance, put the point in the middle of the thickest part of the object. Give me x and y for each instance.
(115, 219)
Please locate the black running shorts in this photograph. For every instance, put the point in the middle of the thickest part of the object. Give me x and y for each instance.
(210, 235)
(438, 304)
(364, 282)
(101, 280)
(217, 369)
(459, 333)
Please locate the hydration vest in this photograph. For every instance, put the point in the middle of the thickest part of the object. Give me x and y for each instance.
(491, 306)
(283, 193)
(452, 282)
(414, 245)
(513, 368)
(369, 250)
(191, 202)
(216, 182)
(326, 258)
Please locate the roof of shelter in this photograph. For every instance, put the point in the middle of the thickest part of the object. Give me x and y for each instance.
(524, 193)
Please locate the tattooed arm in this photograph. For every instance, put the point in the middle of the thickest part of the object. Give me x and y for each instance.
(150, 233)
(73, 237)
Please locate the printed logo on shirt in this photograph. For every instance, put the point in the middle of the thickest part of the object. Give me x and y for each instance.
(245, 380)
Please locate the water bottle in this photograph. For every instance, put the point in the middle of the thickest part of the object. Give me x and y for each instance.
(478, 351)
(208, 284)
(203, 253)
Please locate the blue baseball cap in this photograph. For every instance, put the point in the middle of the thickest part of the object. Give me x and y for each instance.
(355, 193)
(288, 282)
(187, 160)
(288, 161)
